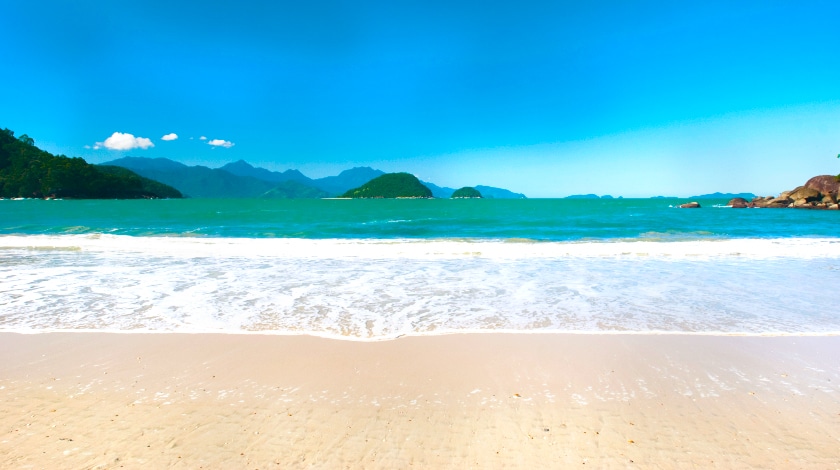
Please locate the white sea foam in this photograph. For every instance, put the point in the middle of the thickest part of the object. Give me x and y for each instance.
(803, 248)
(376, 289)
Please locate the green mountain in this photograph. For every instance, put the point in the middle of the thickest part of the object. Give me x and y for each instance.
(331, 185)
(146, 184)
(391, 185)
(242, 180)
(347, 179)
(196, 181)
(27, 171)
(489, 192)
(352, 178)
(294, 190)
(466, 193)
(438, 191)
(243, 168)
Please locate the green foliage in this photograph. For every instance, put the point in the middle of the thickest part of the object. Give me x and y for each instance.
(27, 171)
(466, 192)
(391, 185)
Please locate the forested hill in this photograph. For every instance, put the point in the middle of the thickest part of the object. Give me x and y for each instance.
(391, 185)
(27, 171)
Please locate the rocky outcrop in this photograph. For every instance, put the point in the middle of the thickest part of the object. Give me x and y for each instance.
(738, 203)
(820, 192)
(825, 184)
(802, 196)
(690, 205)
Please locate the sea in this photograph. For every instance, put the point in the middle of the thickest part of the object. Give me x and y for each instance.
(369, 270)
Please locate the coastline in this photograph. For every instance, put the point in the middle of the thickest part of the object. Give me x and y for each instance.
(107, 400)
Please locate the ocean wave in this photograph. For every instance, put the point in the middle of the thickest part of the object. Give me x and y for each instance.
(381, 289)
(649, 246)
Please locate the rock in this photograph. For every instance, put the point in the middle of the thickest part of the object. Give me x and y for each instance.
(826, 184)
(738, 203)
(777, 203)
(759, 201)
(690, 205)
(808, 194)
(804, 204)
(819, 192)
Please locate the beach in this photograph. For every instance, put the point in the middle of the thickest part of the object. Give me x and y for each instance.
(501, 334)
(111, 400)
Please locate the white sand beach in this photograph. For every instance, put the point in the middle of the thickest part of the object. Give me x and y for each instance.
(103, 400)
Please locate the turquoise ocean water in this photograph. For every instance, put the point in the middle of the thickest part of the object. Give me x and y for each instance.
(378, 269)
(534, 219)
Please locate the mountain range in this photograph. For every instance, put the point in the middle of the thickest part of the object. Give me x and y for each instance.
(242, 180)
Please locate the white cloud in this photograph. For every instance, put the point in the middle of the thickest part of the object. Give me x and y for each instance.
(171, 136)
(203, 138)
(221, 143)
(120, 141)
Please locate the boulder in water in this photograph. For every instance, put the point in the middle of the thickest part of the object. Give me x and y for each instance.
(738, 203)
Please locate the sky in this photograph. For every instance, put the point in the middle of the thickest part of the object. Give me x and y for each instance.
(547, 98)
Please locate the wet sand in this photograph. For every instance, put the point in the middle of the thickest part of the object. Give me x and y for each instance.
(99, 400)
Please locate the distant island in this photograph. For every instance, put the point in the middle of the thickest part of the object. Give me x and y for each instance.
(723, 196)
(390, 186)
(27, 171)
(709, 196)
(466, 193)
(590, 196)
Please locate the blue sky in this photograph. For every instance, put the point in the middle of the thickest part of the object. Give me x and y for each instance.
(633, 98)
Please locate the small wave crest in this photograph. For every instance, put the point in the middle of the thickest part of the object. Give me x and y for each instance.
(652, 245)
(379, 289)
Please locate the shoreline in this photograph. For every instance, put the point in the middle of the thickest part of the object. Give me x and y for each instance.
(430, 334)
(105, 400)
(642, 248)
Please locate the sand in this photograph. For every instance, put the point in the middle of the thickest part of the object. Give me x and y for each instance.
(100, 400)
